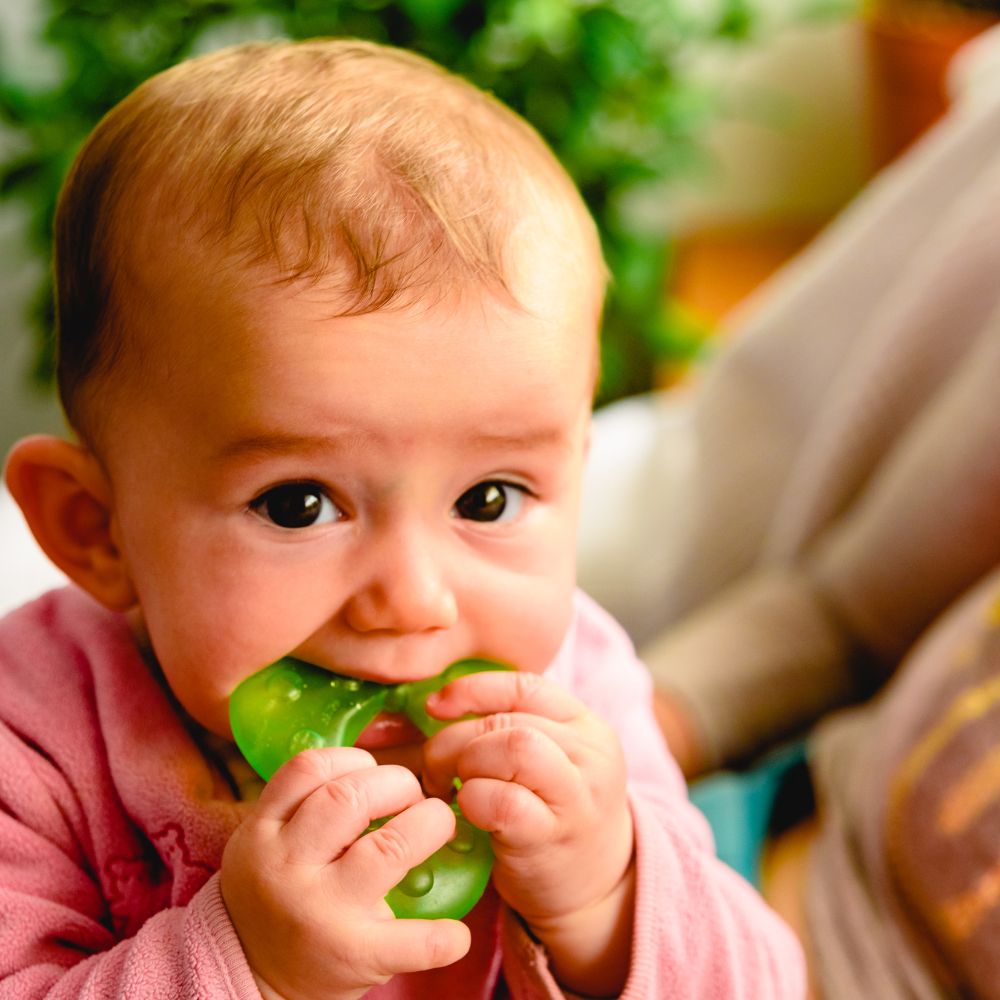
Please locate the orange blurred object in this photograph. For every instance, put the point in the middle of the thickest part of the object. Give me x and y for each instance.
(910, 44)
(716, 267)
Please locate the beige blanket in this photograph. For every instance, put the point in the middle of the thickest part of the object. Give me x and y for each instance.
(776, 543)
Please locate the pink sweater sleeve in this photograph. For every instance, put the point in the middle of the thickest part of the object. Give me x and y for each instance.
(701, 932)
(109, 827)
(188, 951)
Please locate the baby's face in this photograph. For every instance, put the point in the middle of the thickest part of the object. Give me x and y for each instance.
(379, 495)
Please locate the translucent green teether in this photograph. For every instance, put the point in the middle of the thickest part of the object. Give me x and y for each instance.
(291, 706)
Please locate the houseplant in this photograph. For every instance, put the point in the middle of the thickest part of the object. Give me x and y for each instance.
(603, 80)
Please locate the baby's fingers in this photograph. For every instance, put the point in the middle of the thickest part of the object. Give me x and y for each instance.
(415, 945)
(302, 775)
(502, 691)
(335, 814)
(511, 813)
(524, 749)
(380, 859)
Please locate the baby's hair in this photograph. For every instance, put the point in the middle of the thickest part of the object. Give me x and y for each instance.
(333, 159)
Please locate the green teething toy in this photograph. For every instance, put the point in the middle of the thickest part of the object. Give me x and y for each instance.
(291, 706)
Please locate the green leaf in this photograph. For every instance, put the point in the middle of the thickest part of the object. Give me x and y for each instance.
(737, 20)
(19, 174)
(430, 15)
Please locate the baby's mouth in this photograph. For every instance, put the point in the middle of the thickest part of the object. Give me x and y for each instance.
(388, 729)
(291, 705)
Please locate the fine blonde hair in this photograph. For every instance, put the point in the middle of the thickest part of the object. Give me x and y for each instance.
(328, 158)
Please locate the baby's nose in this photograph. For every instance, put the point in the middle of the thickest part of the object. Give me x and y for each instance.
(403, 588)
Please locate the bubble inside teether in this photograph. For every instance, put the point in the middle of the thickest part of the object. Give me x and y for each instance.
(284, 684)
(305, 739)
(417, 881)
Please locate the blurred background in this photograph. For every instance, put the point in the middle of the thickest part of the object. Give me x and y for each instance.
(711, 138)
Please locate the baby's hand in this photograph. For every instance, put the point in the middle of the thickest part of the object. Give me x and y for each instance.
(307, 896)
(546, 777)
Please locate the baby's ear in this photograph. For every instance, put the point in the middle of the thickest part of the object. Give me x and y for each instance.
(65, 497)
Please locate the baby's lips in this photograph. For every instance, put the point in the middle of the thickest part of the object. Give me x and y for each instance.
(388, 729)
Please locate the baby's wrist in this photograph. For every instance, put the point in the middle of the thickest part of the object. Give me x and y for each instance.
(589, 949)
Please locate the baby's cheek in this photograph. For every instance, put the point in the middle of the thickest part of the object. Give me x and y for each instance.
(539, 633)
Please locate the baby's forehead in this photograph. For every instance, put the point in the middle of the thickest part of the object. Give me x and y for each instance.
(387, 193)
(206, 342)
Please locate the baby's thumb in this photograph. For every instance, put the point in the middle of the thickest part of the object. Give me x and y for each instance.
(415, 945)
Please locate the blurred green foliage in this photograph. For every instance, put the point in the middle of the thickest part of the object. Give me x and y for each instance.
(603, 80)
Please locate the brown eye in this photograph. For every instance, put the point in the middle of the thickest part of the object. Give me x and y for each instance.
(296, 505)
(490, 501)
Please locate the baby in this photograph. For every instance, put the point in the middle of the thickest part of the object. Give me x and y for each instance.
(328, 340)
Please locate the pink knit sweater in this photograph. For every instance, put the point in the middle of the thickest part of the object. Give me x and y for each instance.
(113, 820)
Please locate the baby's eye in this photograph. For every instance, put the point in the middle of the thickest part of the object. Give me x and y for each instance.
(490, 501)
(296, 505)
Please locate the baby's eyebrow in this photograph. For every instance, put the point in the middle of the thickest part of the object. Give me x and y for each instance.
(520, 440)
(275, 443)
(270, 443)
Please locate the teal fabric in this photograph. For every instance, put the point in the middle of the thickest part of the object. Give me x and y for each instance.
(739, 806)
